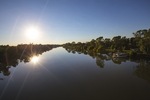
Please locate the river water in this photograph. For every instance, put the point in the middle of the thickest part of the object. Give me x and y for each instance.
(59, 75)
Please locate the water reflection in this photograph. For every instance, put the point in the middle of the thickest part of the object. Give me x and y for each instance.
(61, 74)
(12, 56)
(142, 69)
(34, 59)
(4, 70)
(119, 60)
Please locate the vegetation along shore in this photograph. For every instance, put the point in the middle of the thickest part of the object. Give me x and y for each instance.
(137, 46)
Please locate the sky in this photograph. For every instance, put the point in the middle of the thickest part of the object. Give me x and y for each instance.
(61, 21)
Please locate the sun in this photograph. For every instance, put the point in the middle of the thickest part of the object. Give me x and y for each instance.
(32, 32)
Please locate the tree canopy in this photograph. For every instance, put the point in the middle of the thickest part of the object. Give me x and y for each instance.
(139, 43)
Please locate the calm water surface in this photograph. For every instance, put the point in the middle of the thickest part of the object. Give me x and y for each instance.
(59, 75)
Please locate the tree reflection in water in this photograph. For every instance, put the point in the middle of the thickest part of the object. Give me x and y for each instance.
(142, 69)
(10, 56)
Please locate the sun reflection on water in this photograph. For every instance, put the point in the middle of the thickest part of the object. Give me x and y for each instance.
(34, 59)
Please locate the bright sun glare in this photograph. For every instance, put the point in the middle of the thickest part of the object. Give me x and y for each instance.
(32, 32)
(34, 59)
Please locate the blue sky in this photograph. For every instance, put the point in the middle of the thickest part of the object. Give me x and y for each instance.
(61, 21)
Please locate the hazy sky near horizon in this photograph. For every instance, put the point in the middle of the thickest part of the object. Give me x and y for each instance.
(61, 21)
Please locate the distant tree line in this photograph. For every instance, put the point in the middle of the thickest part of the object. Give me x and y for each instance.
(138, 44)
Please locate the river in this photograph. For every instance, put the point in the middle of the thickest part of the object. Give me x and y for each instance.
(60, 75)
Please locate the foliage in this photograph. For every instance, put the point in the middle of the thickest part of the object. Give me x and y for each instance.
(139, 44)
